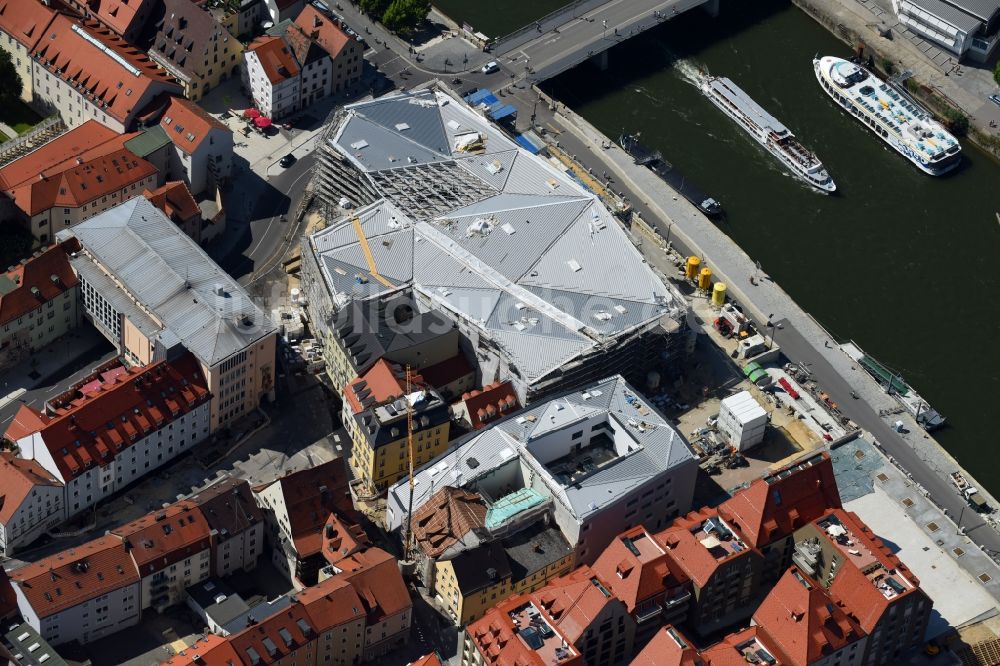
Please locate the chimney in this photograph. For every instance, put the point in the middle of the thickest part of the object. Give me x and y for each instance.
(316, 21)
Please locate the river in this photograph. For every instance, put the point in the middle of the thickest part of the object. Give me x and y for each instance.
(904, 264)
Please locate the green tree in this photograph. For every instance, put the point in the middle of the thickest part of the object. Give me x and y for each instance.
(996, 73)
(10, 80)
(374, 8)
(405, 15)
(957, 121)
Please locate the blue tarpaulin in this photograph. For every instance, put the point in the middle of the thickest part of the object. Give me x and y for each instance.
(481, 96)
(503, 112)
(527, 144)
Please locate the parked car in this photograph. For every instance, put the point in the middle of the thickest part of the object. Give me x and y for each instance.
(996, 99)
(490, 67)
(288, 160)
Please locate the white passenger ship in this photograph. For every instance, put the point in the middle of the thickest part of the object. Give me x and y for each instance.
(897, 119)
(768, 132)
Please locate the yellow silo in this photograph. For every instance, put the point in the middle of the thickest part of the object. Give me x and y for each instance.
(691, 270)
(719, 294)
(705, 278)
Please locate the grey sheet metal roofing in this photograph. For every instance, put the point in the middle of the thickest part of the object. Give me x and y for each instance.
(966, 15)
(660, 448)
(546, 247)
(170, 276)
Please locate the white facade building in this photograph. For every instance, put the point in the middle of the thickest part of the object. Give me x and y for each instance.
(742, 421)
(962, 27)
(31, 502)
(602, 457)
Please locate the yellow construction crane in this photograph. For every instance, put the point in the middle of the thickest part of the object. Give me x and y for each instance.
(408, 537)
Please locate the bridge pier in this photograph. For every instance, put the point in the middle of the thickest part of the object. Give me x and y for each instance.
(601, 59)
(712, 7)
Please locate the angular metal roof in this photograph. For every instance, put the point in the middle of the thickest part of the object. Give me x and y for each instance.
(170, 276)
(500, 237)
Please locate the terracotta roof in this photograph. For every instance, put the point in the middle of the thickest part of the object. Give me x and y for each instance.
(276, 637)
(85, 429)
(17, 478)
(632, 577)
(73, 576)
(730, 650)
(685, 540)
(175, 200)
(119, 15)
(184, 35)
(491, 403)
(29, 285)
(382, 382)
(574, 601)
(103, 79)
(209, 650)
(275, 58)
(855, 585)
(228, 507)
(89, 140)
(669, 647)
(187, 124)
(447, 371)
(331, 603)
(26, 421)
(803, 621)
(309, 507)
(81, 181)
(775, 506)
(25, 20)
(380, 586)
(446, 518)
(344, 543)
(322, 30)
(427, 660)
(165, 537)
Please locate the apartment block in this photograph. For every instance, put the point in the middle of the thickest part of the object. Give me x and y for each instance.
(153, 292)
(202, 146)
(22, 26)
(109, 430)
(235, 522)
(83, 71)
(194, 48)
(32, 502)
(39, 302)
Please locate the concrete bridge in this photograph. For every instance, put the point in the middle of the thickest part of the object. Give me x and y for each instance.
(581, 30)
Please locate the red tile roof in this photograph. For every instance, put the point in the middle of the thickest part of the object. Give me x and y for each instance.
(119, 15)
(275, 58)
(730, 650)
(88, 429)
(427, 660)
(383, 381)
(380, 586)
(803, 621)
(25, 20)
(331, 603)
(780, 503)
(685, 537)
(81, 181)
(187, 125)
(320, 29)
(492, 402)
(73, 576)
(275, 637)
(175, 200)
(165, 537)
(29, 285)
(209, 650)
(573, 602)
(89, 140)
(103, 80)
(447, 518)
(669, 647)
(344, 543)
(308, 507)
(26, 421)
(17, 479)
(636, 578)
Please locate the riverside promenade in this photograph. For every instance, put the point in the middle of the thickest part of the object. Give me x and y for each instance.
(801, 337)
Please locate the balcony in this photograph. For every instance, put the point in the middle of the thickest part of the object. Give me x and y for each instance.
(677, 599)
(648, 612)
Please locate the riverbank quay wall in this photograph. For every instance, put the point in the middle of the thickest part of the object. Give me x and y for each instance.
(679, 224)
(856, 26)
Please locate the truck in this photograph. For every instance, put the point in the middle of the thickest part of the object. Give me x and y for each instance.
(970, 493)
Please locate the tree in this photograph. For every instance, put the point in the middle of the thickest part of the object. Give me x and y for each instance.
(10, 81)
(996, 73)
(405, 15)
(374, 8)
(957, 121)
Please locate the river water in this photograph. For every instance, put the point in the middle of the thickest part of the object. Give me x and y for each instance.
(906, 265)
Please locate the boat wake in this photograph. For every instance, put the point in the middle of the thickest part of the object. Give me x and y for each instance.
(652, 98)
(691, 72)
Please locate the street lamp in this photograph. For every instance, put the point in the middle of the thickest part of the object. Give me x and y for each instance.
(605, 23)
(771, 325)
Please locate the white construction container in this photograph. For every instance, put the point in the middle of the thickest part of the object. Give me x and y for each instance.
(742, 421)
